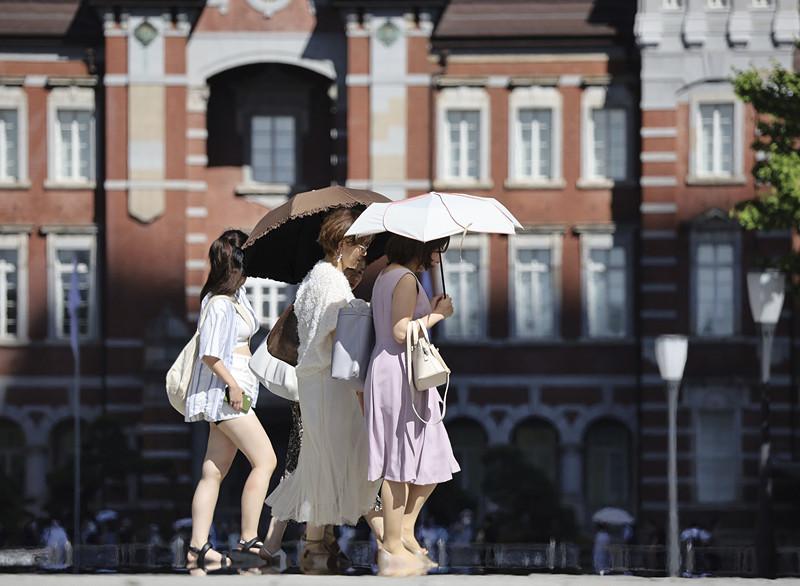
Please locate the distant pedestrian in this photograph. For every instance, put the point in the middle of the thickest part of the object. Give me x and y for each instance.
(601, 556)
(55, 539)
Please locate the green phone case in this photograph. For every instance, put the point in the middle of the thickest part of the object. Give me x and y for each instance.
(246, 400)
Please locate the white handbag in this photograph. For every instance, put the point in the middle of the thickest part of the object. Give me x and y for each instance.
(353, 342)
(276, 375)
(425, 366)
(179, 375)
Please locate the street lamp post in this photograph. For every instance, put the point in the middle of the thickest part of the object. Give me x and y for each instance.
(671, 353)
(765, 291)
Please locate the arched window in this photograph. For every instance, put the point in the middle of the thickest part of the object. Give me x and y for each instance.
(12, 450)
(538, 440)
(608, 465)
(469, 441)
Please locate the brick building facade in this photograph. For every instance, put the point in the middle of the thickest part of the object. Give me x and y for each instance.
(134, 132)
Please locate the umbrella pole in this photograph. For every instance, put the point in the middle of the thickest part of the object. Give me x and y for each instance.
(441, 268)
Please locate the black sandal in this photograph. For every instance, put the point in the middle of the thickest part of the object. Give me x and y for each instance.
(243, 557)
(224, 562)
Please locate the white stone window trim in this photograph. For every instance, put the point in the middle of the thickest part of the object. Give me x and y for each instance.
(545, 98)
(698, 236)
(19, 242)
(606, 239)
(672, 5)
(554, 242)
(269, 290)
(454, 99)
(55, 301)
(713, 398)
(479, 242)
(15, 98)
(69, 98)
(759, 5)
(717, 5)
(612, 96)
(715, 95)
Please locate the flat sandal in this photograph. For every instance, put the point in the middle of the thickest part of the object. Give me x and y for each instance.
(243, 558)
(225, 562)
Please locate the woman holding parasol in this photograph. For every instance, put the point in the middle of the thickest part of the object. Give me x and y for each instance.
(408, 444)
(329, 485)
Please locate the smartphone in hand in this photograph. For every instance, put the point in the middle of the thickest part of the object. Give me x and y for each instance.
(246, 400)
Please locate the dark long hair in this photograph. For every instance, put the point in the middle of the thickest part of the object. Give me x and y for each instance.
(227, 264)
(405, 251)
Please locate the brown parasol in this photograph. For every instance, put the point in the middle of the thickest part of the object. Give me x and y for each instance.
(283, 246)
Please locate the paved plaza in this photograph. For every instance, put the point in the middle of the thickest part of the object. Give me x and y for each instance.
(299, 580)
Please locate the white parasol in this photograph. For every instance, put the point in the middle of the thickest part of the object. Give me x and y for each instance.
(436, 215)
(613, 516)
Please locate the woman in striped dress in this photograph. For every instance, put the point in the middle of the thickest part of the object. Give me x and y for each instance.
(221, 390)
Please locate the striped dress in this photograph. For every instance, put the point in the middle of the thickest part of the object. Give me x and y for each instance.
(221, 330)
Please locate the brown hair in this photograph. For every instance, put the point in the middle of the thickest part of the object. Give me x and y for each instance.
(333, 228)
(227, 264)
(406, 251)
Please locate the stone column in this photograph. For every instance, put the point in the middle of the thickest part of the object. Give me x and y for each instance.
(572, 479)
(36, 474)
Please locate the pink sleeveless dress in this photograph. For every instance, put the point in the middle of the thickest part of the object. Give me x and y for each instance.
(401, 447)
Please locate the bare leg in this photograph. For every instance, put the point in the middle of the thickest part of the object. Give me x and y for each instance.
(247, 434)
(418, 494)
(274, 538)
(375, 521)
(218, 459)
(394, 559)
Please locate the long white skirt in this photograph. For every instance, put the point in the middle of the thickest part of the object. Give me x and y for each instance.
(329, 485)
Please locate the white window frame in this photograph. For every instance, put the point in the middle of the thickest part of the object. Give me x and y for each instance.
(263, 288)
(479, 242)
(606, 240)
(672, 4)
(731, 399)
(719, 94)
(541, 98)
(69, 98)
(18, 242)
(599, 97)
(55, 300)
(554, 242)
(277, 103)
(15, 98)
(249, 167)
(717, 4)
(762, 4)
(462, 98)
(697, 237)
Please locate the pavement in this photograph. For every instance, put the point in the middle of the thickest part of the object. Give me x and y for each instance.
(299, 580)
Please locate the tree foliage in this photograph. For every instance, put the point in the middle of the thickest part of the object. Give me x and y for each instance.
(775, 96)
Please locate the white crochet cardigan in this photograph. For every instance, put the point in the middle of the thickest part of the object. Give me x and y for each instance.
(323, 292)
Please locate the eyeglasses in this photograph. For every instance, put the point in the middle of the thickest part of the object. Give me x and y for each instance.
(362, 248)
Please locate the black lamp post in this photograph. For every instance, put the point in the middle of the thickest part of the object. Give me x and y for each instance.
(766, 292)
